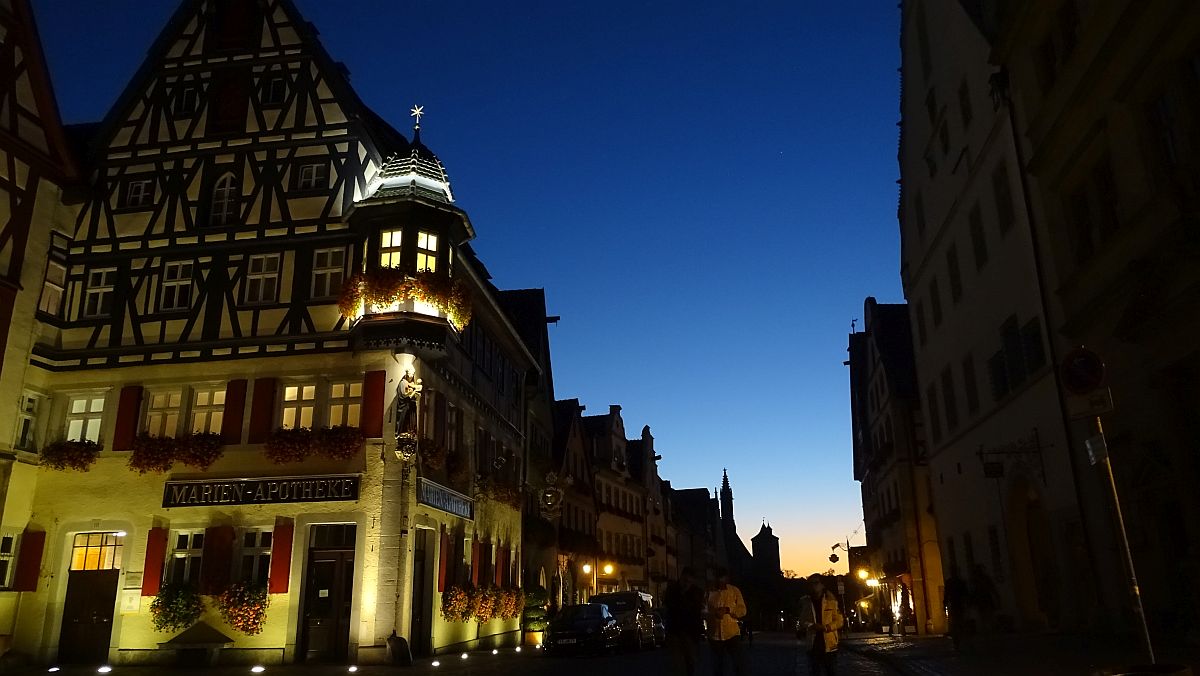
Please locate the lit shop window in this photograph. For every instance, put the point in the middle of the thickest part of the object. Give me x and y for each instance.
(262, 278)
(256, 556)
(84, 413)
(96, 551)
(162, 413)
(328, 271)
(8, 557)
(27, 422)
(177, 285)
(426, 252)
(299, 402)
(184, 565)
(52, 289)
(345, 403)
(208, 408)
(98, 298)
(389, 248)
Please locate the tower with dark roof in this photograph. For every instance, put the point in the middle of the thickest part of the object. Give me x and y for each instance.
(766, 551)
(726, 501)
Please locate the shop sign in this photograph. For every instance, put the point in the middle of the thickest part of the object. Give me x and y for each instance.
(267, 490)
(440, 497)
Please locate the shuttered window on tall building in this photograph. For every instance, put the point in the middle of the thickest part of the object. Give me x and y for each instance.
(935, 422)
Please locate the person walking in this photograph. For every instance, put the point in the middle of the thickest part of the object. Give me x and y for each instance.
(820, 618)
(956, 609)
(725, 607)
(684, 601)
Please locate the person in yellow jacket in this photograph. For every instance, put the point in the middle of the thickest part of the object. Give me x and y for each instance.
(821, 619)
(725, 607)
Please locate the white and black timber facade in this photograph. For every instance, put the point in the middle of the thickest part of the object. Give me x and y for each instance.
(257, 264)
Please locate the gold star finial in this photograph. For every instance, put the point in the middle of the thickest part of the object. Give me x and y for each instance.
(417, 112)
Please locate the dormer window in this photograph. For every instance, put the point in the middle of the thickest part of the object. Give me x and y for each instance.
(426, 251)
(274, 90)
(389, 248)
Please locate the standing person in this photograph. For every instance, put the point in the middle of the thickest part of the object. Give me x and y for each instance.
(725, 606)
(820, 617)
(685, 621)
(956, 609)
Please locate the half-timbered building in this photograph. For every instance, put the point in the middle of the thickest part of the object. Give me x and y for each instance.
(272, 361)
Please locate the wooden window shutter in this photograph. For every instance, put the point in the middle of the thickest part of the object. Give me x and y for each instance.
(216, 566)
(262, 410)
(372, 412)
(439, 419)
(235, 408)
(516, 576)
(499, 567)
(281, 555)
(156, 553)
(443, 559)
(475, 562)
(129, 409)
(29, 561)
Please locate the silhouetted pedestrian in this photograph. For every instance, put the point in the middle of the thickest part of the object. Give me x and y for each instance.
(684, 600)
(821, 620)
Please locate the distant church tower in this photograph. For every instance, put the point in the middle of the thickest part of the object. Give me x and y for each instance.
(726, 501)
(766, 551)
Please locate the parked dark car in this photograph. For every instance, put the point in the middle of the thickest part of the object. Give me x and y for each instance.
(588, 626)
(660, 629)
(632, 610)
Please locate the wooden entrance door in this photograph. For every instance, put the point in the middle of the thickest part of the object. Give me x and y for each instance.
(87, 616)
(328, 594)
(422, 607)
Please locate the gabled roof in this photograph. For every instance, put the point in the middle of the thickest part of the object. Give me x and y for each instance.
(526, 309)
(381, 136)
(693, 507)
(565, 413)
(635, 452)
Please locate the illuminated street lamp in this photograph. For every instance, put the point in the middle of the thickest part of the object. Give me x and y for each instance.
(587, 569)
(863, 574)
(872, 582)
(608, 569)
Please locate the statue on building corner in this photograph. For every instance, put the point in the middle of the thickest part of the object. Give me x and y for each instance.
(408, 395)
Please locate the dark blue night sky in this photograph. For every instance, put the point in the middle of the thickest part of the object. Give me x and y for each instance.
(707, 191)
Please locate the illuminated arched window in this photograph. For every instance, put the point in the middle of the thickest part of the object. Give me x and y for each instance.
(224, 208)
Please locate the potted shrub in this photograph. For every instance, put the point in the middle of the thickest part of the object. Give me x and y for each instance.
(244, 606)
(176, 607)
(533, 616)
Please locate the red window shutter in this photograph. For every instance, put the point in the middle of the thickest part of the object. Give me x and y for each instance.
(217, 564)
(235, 407)
(499, 565)
(129, 409)
(372, 414)
(156, 553)
(443, 559)
(475, 563)
(281, 555)
(439, 418)
(262, 410)
(516, 576)
(29, 560)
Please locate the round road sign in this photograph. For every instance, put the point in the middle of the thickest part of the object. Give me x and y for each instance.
(1082, 371)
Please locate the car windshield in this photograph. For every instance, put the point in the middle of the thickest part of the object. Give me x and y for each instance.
(616, 603)
(589, 611)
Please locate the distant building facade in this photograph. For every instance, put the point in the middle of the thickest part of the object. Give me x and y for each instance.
(891, 462)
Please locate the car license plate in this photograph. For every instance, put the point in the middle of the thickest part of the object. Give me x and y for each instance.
(564, 641)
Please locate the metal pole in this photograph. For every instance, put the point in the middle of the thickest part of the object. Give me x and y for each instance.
(1133, 583)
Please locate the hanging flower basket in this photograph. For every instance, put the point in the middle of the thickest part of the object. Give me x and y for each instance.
(200, 449)
(456, 605)
(152, 454)
(383, 286)
(511, 603)
(490, 488)
(433, 455)
(483, 604)
(341, 442)
(244, 606)
(71, 454)
(176, 607)
(289, 445)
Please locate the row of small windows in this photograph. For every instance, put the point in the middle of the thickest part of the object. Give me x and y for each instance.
(178, 283)
(621, 544)
(185, 100)
(1021, 354)
(623, 500)
(225, 196)
(390, 250)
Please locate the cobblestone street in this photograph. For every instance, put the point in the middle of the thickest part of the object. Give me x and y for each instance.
(772, 655)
